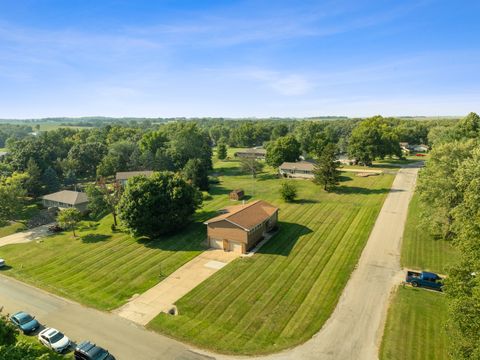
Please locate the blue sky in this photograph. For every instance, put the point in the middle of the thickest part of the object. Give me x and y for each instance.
(238, 58)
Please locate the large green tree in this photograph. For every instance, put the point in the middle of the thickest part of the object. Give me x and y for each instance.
(285, 148)
(373, 138)
(159, 204)
(86, 157)
(196, 172)
(463, 283)
(12, 195)
(438, 188)
(222, 151)
(50, 180)
(33, 184)
(326, 169)
(104, 198)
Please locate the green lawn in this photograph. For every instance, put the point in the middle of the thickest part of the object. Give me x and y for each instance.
(100, 268)
(15, 226)
(420, 250)
(282, 295)
(415, 327)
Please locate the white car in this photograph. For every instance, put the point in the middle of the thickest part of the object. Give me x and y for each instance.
(54, 340)
(2, 263)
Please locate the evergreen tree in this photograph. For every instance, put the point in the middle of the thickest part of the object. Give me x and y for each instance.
(50, 180)
(33, 183)
(288, 191)
(222, 151)
(196, 173)
(326, 170)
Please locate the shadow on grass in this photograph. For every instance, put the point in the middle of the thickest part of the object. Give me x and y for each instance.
(361, 191)
(94, 238)
(305, 201)
(285, 238)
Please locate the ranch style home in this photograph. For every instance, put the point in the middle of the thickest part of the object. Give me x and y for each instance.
(122, 177)
(239, 228)
(256, 153)
(301, 169)
(66, 199)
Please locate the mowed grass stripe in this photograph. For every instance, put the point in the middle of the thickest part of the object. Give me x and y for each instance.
(251, 310)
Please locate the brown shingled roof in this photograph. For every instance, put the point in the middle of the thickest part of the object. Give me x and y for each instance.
(247, 216)
(67, 197)
(128, 174)
(301, 165)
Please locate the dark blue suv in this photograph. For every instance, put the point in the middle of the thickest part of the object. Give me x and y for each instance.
(88, 351)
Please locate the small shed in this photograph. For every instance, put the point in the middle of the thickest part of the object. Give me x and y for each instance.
(237, 194)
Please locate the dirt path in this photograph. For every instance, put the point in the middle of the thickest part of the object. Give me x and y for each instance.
(355, 329)
(25, 236)
(145, 307)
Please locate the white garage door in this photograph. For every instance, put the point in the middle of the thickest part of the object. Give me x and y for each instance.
(216, 244)
(235, 247)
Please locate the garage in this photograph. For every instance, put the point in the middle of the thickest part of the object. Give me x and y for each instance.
(216, 244)
(235, 247)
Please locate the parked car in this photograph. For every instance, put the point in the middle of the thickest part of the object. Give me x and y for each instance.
(88, 351)
(54, 339)
(424, 279)
(55, 228)
(25, 322)
(2, 263)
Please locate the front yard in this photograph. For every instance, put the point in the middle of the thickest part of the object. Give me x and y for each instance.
(415, 327)
(282, 295)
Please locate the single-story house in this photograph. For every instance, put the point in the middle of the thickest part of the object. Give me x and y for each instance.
(66, 199)
(300, 169)
(122, 177)
(236, 194)
(256, 153)
(239, 228)
(420, 148)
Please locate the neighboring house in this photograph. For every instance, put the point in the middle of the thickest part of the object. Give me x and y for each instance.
(344, 160)
(236, 194)
(66, 199)
(256, 153)
(420, 148)
(300, 169)
(122, 177)
(3, 154)
(405, 147)
(239, 228)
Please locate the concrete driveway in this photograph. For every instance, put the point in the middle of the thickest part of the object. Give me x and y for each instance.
(25, 236)
(160, 298)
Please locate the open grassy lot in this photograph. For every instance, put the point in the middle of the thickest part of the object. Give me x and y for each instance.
(283, 294)
(420, 250)
(415, 327)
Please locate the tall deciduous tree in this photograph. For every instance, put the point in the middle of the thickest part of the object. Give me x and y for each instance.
(373, 138)
(12, 194)
(251, 166)
(159, 204)
(104, 198)
(69, 219)
(326, 169)
(285, 148)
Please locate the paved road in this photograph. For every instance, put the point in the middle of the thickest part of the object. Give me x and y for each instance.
(126, 340)
(25, 236)
(355, 328)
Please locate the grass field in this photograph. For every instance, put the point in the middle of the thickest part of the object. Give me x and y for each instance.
(415, 327)
(420, 250)
(282, 295)
(12, 227)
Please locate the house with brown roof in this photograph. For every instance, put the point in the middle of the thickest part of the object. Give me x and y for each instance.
(66, 199)
(300, 169)
(239, 228)
(255, 153)
(123, 176)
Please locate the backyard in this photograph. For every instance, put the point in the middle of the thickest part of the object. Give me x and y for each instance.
(282, 295)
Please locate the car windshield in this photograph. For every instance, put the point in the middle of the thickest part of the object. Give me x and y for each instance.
(57, 337)
(25, 319)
